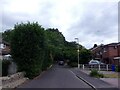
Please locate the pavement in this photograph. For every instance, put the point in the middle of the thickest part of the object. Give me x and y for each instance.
(96, 82)
(113, 81)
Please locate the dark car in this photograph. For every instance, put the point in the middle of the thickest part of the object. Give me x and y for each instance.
(61, 62)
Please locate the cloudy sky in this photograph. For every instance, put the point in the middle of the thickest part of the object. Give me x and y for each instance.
(92, 21)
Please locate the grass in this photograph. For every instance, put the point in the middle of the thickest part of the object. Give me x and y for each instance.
(95, 73)
(115, 75)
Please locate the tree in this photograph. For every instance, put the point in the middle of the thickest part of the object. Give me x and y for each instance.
(95, 45)
(85, 56)
(27, 48)
(55, 43)
(6, 36)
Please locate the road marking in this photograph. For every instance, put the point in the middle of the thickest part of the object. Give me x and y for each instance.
(74, 75)
(80, 78)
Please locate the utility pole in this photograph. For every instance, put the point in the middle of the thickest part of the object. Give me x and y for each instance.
(77, 39)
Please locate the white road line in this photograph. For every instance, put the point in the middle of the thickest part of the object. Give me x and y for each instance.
(80, 78)
(74, 75)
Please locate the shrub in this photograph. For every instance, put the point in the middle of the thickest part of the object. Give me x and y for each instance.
(73, 64)
(117, 69)
(5, 66)
(95, 73)
(0, 68)
(101, 75)
(27, 48)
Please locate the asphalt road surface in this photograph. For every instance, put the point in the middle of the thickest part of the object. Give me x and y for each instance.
(56, 77)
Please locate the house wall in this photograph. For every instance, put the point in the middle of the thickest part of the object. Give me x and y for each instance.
(108, 52)
(113, 51)
(95, 53)
(119, 50)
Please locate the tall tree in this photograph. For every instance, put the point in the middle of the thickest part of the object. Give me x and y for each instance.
(6, 35)
(95, 45)
(55, 43)
(27, 48)
(85, 56)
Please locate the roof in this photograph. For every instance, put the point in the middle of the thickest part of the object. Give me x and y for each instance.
(96, 47)
(111, 44)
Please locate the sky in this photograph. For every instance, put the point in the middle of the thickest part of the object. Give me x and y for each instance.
(92, 21)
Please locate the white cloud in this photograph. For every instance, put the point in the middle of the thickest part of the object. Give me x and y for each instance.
(90, 20)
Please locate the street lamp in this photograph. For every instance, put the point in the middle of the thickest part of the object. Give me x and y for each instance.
(77, 39)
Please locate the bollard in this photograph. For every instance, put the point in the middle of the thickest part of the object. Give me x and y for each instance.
(99, 67)
(107, 67)
(83, 67)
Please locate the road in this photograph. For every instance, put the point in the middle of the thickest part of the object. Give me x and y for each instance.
(56, 77)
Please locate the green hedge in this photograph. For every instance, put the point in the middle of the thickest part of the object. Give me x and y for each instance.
(0, 68)
(5, 66)
(117, 69)
(73, 64)
(28, 48)
(95, 73)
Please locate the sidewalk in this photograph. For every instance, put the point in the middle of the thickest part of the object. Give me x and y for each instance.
(96, 82)
(112, 81)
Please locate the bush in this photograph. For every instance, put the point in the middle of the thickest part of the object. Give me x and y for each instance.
(117, 69)
(5, 66)
(73, 64)
(95, 73)
(27, 48)
(47, 61)
(101, 75)
(0, 68)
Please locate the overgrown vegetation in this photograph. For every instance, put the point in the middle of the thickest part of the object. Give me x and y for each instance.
(117, 68)
(34, 48)
(73, 64)
(0, 67)
(95, 73)
(5, 66)
(27, 48)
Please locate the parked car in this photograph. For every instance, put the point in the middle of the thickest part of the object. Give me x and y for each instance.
(7, 57)
(61, 62)
(95, 62)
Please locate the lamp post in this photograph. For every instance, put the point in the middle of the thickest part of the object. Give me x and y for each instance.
(77, 39)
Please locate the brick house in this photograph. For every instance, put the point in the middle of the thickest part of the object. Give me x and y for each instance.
(109, 54)
(4, 48)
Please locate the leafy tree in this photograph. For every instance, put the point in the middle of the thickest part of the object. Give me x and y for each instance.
(85, 56)
(27, 48)
(95, 45)
(55, 43)
(71, 53)
(6, 36)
